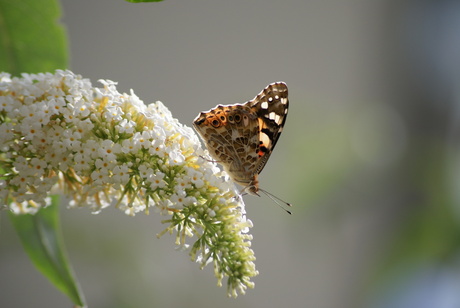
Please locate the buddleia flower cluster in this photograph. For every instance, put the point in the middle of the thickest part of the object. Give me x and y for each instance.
(58, 133)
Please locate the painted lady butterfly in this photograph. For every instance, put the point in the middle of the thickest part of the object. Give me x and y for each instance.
(241, 137)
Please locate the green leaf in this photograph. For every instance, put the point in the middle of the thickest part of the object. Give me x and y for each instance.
(139, 1)
(31, 38)
(32, 41)
(41, 237)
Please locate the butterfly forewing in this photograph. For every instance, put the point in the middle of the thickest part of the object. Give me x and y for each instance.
(271, 106)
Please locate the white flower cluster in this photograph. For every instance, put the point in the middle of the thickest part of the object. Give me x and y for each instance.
(105, 148)
(99, 138)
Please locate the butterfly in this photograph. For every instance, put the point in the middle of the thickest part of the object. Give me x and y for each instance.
(241, 137)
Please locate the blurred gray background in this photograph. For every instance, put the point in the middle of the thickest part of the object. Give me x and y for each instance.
(368, 156)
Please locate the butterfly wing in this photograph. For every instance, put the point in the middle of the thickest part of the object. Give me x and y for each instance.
(271, 106)
(231, 137)
(241, 137)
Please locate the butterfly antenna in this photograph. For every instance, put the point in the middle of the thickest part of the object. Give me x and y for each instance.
(277, 200)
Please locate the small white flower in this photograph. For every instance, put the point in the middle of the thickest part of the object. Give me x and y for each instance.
(157, 180)
(81, 109)
(108, 150)
(84, 126)
(81, 162)
(126, 126)
(157, 148)
(120, 174)
(142, 139)
(71, 140)
(175, 158)
(145, 171)
(38, 165)
(91, 149)
(100, 176)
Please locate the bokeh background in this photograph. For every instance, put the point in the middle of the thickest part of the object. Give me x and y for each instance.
(369, 155)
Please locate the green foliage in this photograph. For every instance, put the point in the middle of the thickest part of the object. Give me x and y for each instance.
(31, 38)
(32, 41)
(41, 237)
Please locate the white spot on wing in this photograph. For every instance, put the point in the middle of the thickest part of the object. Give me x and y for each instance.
(264, 105)
(277, 119)
(265, 140)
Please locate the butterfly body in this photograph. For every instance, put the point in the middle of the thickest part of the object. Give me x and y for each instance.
(241, 137)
